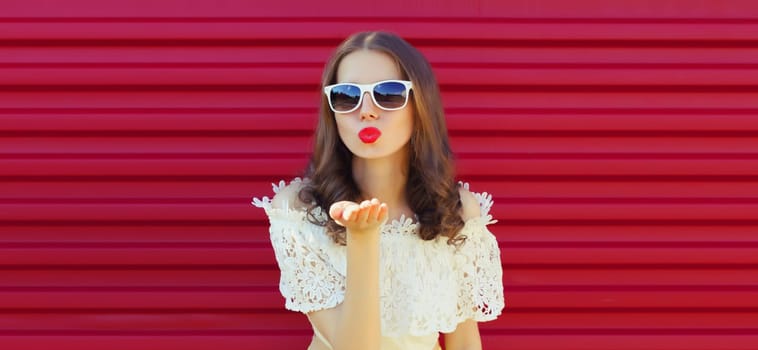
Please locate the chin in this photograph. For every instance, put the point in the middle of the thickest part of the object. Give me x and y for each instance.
(371, 155)
(376, 152)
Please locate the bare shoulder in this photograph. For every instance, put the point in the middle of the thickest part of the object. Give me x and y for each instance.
(288, 196)
(469, 205)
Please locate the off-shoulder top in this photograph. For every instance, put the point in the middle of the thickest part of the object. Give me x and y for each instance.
(426, 287)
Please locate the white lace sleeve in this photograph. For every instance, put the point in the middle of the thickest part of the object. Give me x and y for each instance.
(480, 271)
(311, 276)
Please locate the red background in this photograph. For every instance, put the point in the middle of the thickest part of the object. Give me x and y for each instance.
(619, 139)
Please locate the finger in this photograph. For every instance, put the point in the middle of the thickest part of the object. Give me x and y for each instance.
(365, 209)
(336, 209)
(349, 214)
(383, 212)
(374, 212)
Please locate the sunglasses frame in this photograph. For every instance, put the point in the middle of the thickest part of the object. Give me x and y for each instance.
(370, 89)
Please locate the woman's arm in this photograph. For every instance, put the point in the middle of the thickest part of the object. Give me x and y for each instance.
(355, 323)
(464, 337)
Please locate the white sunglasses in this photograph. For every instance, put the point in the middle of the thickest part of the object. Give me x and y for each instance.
(389, 95)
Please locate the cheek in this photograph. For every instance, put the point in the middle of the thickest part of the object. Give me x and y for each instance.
(342, 129)
(407, 126)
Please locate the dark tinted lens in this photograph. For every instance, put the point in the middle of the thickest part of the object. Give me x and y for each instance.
(345, 97)
(390, 94)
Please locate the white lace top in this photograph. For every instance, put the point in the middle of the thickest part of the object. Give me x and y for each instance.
(425, 286)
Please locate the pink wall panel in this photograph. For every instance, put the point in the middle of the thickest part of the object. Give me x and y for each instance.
(619, 140)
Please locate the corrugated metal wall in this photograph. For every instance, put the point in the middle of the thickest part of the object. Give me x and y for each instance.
(619, 139)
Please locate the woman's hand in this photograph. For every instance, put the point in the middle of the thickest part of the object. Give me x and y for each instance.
(365, 217)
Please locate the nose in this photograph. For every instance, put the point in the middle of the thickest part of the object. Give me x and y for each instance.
(368, 109)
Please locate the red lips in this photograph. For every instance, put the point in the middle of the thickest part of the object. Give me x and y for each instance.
(369, 134)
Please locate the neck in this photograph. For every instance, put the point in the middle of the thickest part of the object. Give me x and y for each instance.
(384, 179)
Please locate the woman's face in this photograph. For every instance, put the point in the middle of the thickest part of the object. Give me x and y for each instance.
(395, 127)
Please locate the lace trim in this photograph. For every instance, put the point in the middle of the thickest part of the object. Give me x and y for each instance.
(266, 203)
(419, 294)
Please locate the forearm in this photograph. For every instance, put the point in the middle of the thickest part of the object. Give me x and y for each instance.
(359, 319)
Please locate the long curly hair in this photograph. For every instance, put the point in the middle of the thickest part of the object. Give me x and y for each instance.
(431, 190)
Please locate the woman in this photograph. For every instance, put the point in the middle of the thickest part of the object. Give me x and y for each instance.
(404, 252)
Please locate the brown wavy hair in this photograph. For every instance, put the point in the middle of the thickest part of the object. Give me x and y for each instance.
(431, 190)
